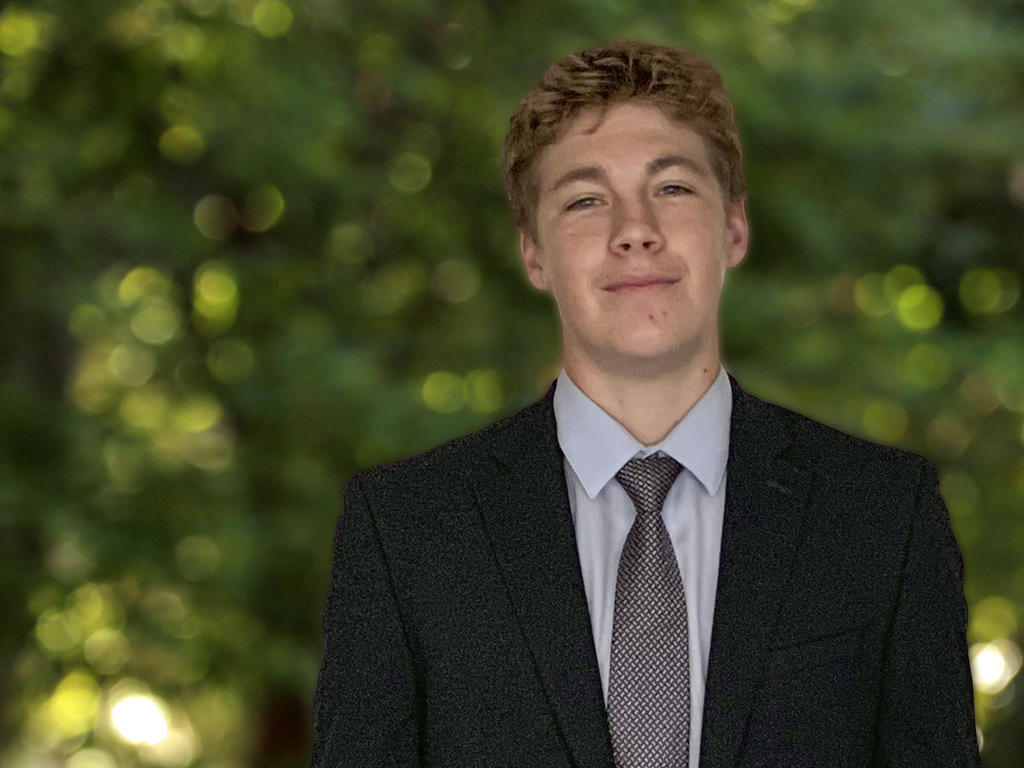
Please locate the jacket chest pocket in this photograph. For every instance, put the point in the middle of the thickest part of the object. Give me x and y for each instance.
(793, 656)
(810, 703)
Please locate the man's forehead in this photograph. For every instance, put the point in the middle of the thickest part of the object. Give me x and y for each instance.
(598, 139)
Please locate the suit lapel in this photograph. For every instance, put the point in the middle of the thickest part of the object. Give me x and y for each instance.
(525, 507)
(765, 503)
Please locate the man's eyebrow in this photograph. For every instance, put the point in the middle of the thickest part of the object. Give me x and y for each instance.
(659, 164)
(583, 173)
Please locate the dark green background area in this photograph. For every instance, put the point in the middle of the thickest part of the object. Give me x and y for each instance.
(248, 247)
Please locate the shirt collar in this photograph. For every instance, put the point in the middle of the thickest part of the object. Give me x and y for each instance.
(597, 446)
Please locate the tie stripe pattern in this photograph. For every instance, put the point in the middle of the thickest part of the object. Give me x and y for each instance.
(649, 674)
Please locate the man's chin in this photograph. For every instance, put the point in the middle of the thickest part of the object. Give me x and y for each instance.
(650, 361)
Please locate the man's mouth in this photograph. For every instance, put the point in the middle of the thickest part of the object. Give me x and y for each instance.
(641, 282)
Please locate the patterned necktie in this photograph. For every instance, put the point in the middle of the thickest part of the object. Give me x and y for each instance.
(649, 675)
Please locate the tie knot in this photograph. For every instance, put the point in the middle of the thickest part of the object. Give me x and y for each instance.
(647, 481)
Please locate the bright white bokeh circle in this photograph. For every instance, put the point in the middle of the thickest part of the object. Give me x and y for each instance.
(140, 720)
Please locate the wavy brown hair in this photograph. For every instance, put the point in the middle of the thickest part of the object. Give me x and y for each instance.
(681, 83)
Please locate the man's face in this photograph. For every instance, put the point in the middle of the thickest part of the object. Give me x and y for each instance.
(633, 239)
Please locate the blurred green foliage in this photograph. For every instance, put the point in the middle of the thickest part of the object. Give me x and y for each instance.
(250, 246)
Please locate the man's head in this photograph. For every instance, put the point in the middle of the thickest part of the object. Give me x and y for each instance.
(623, 168)
(683, 85)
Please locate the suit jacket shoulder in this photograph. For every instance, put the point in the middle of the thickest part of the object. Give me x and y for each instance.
(835, 456)
(440, 471)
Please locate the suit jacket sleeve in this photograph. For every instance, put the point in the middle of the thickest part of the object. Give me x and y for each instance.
(927, 711)
(364, 706)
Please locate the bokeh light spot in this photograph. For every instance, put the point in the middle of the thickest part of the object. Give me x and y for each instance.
(978, 393)
(57, 632)
(484, 391)
(197, 557)
(44, 597)
(989, 291)
(165, 607)
(182, 144)
(215, 287)
(91, 757)
(994, 665)
(219, 709)
(960, 492)
(263, 208)
(387, 290)
(1008, 387)
(927, 366)
(410, 172)
(142, 282)
(93, 389)
(72, 708)
(885, 420)
(94, 606)
(156, 322)
(948, 436)
(455, 280)
(145, 408)
(349, 244)
(107, 650)
(211, 450)
(19, 31)
(456, 46)
(124, 463)
(153, 17)
(230, 360)
(443, 392)
(992, 618)
(198, 414)
(919, 307)
(898, 279)
(68, 561)
(140, 720)
(183, 42)
(271, 18)
(215, 217)
(215, 298)
(178, 749)
(131, 364)
(869, 295)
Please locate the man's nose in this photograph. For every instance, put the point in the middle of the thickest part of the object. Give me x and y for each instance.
(636, 230)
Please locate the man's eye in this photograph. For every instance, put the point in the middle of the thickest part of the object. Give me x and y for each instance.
(674, 189)
(583, 202)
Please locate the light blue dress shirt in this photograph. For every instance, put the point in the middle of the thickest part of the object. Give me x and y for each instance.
(596, 446)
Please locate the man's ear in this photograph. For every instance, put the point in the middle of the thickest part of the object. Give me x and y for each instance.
(737, 233)
(533, 260)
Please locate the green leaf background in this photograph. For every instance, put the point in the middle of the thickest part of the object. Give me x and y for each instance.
(248, 247)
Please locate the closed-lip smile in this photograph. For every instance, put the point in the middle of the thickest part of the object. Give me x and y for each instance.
(640, 281)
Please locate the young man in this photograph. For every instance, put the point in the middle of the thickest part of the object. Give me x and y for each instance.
(647, 567)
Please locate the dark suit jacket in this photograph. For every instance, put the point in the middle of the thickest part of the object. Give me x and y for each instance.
(457, 631)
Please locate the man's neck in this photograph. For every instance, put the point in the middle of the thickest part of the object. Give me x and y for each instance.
(647, 407)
